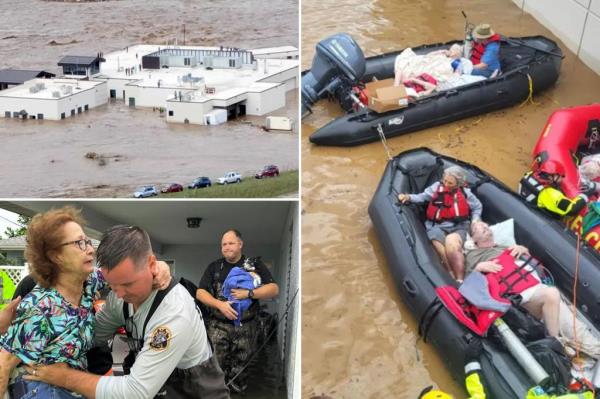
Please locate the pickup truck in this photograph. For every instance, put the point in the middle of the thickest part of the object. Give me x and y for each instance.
(230, 177)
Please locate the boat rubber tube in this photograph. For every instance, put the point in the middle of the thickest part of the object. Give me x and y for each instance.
(566, 130)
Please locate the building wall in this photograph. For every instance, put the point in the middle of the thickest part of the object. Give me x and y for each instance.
(52, 108)
(192, 260)
(289, 77)
(92, 98)
(288, 334)
(118, 85)
(575, 22)
(193, 111)
(267, 101)
(47, 107)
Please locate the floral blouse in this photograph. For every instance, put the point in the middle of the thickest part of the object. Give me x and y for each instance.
(48, 329)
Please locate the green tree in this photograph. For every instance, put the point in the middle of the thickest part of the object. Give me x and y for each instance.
(20, 231)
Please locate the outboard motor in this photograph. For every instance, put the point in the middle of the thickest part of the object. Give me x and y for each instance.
(336, 69)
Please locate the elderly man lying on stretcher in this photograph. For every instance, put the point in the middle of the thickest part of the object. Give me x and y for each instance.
(542, 301)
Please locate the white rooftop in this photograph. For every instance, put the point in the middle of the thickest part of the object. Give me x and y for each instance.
(227, 83)
(275, 50)
(49, 88)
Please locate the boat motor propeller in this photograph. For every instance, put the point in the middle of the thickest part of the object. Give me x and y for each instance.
(337, 67)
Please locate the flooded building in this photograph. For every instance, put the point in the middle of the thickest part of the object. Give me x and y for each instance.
(202, 85)
(51, 98)
(15, 77)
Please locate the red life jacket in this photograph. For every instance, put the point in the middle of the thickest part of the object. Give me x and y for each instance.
(479, 48)
(416, 86)
(448, 205)
(512, 279)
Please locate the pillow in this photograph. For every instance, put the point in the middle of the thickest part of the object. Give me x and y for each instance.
(504, 235)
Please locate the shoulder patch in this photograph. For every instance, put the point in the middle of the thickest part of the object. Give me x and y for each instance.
(160, 338)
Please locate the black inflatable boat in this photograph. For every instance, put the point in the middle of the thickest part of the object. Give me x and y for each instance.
(417, 270)
(529, 65)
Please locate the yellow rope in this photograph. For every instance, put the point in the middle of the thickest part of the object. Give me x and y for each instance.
(530, 96)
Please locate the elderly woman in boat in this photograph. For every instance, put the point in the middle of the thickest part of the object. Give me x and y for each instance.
(451, 207)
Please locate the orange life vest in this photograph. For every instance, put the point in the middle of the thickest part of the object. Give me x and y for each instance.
(448, 205)
(479, 48)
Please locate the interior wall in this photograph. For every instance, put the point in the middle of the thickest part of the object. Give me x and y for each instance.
(192, 260)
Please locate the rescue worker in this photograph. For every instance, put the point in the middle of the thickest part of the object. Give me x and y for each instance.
(451, 206)
(233, 344)
(485, 54)
(166, 335)
(541, 187)
(473, 379)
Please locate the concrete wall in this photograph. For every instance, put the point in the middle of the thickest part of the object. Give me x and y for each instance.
(91, 97)
(575, 22)
(267, 101)
(193, 111)
(52, 108)
(118, 85)
(289, 77)
(149, 96)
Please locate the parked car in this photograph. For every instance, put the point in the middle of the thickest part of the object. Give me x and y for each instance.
(172, 188)
(230, 177)
(201, 182)
(268, 171)
(145, 191)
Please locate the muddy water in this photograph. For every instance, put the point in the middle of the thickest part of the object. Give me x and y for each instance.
(45, 158)
(359, 340)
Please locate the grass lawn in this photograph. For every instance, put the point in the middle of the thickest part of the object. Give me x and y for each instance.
(249, 187)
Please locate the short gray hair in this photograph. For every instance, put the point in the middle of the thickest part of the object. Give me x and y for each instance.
(458, 173)
(121, 242)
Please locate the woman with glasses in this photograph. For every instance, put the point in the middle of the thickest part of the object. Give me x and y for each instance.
(55, 322)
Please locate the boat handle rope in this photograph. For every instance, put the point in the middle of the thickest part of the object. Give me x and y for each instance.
(530, 96)
(384, 141)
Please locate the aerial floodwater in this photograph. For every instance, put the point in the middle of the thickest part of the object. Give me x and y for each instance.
(359, 339)
(127, 147)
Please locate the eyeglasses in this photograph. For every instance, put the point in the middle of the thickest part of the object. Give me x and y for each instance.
(82, 243)
(135, 344)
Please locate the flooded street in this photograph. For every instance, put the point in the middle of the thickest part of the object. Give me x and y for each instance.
(359, 340)
(47, 159)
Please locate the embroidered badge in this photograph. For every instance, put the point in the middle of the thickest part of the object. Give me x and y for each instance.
(160, 338)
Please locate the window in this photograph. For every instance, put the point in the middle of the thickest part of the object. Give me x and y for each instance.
(7, 114)
(78, 110)
(170, 113)
(86, 107)
(62, 115)
(15, 114)
(231, 63)
(40, 116)
(72, 112)
(186, 61)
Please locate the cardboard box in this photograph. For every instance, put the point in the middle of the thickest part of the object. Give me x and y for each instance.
(384, 96)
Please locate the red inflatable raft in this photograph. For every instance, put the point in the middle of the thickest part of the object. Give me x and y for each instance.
(567, 130)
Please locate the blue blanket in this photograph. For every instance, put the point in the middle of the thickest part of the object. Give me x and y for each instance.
(238, 278)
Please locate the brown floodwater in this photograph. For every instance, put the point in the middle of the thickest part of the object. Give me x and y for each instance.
(358, 339)
(47, 159)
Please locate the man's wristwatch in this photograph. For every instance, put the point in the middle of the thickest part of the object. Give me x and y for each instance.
(250, 293)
